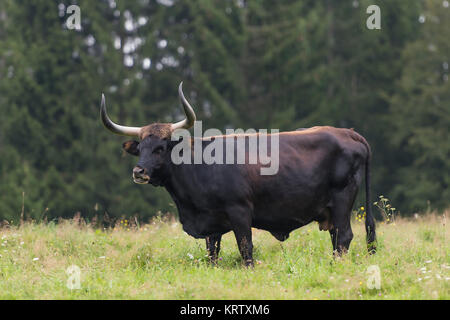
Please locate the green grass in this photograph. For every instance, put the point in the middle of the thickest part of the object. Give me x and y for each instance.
(160, 261)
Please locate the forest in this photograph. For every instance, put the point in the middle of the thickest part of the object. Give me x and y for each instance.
(245, 64)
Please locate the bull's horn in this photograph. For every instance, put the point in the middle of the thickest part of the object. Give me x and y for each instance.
(190, 114)
(115, 128)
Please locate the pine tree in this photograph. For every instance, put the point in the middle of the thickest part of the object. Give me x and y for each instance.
(420, 115)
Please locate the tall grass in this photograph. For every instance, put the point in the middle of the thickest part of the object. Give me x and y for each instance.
(159, 261)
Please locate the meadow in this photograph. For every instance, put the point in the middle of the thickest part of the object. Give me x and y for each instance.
(158, 260)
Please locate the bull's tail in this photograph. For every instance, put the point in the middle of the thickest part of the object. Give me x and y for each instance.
(370, 222)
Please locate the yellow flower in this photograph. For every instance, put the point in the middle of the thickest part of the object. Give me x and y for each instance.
(362, 208)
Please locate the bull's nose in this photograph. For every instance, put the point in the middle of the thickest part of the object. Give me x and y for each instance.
(140, 175)
(138, 171)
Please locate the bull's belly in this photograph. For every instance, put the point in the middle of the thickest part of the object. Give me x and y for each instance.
(278, 217)
(282, 217)
(280, 224)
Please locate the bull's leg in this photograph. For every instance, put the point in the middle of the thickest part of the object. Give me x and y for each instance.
(245, 244)
(242, 227)
(341, 234)
(213, 247)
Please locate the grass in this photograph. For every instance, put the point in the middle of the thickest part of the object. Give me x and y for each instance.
(159, 261)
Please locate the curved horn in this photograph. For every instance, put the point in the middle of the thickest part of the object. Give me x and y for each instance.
(115, 128)
(190, 114)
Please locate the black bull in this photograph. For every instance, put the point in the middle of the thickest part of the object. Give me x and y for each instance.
(320, 170)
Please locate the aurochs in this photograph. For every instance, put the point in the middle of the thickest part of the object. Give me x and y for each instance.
(320, 170)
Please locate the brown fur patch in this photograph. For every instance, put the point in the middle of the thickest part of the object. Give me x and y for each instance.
(128, 144)
(161, 130)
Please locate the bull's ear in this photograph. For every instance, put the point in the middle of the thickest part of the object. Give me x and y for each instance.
(131, 147)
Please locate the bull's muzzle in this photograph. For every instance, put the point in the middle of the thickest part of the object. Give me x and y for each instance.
(140, 175)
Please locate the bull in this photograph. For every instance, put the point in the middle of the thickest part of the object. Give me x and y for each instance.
(320, 171)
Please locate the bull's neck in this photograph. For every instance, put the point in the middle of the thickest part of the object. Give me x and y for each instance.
(179, 179)
(183, 177)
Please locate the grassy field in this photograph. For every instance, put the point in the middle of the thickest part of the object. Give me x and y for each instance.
(159, 261)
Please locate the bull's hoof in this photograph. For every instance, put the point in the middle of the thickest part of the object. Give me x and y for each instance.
(249, 263)
(372, 248)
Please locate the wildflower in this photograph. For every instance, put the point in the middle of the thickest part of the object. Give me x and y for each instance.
(428, 261)
(190, 256)
(35, 259)
(102, 257)
(362, 208)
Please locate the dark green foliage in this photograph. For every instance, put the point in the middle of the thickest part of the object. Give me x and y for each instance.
(420, 115)
(246, 64)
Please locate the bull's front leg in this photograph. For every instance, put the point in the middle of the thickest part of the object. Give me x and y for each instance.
(213, 247)
(241, 223)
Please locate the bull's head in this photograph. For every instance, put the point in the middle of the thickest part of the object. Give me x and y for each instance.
(155, 143)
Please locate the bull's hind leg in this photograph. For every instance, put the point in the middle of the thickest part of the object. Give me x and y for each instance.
(341, 233)
(213, 247)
